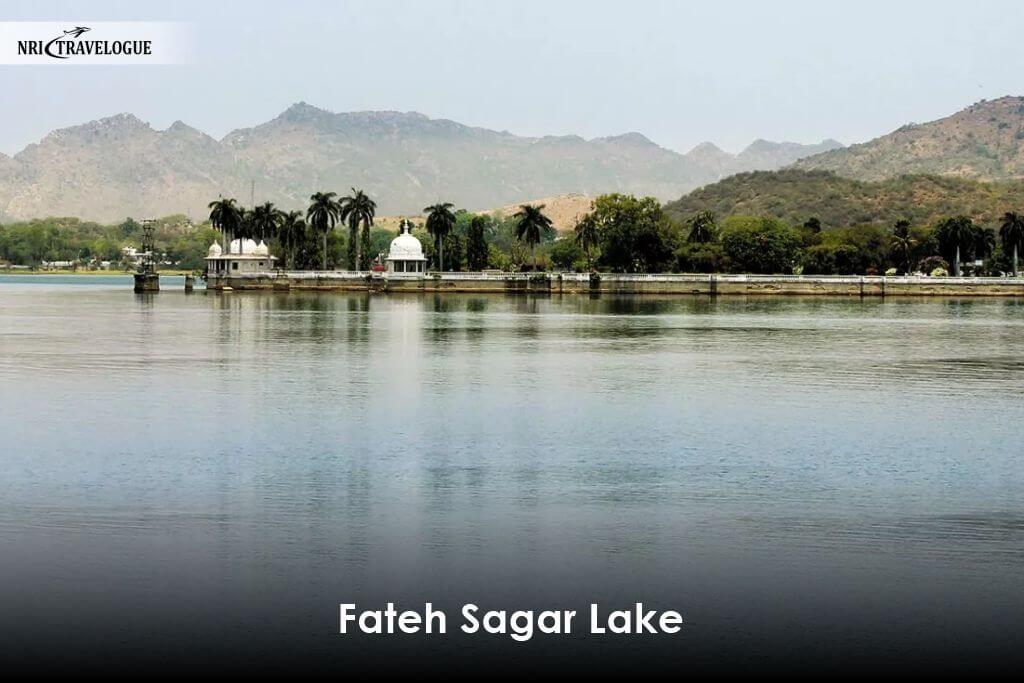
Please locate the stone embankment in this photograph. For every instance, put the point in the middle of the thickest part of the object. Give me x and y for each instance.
(607, 283)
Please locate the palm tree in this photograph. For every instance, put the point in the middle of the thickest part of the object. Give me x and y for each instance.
(322, 215)
(226, 216)
(358, 209)
(246, 227)
(290, 234)
(440, 221)
(265, 221)
(984, 242)
(1011, 233)
(587, 236)
(903, 243)
(956, 233)
(703, 227)
(531, 225)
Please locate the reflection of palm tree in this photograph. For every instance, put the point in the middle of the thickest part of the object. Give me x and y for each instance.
(531, 225)
(322, 215)
(587, 236)
(440, 221)
(903, 243)
(290, 233)
(1011, 234)
(358, 209)
(226, 216)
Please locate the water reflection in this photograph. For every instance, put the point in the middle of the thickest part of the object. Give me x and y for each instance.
(266, 455)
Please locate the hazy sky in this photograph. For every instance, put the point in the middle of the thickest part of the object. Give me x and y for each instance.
(678, 72)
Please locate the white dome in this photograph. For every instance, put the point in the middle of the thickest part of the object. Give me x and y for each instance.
(405, 247)
(262, 249)
(248, 246)
(214, 250)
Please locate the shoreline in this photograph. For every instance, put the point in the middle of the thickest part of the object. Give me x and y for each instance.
(630, 284)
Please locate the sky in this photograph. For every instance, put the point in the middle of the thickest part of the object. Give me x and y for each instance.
(678, 72)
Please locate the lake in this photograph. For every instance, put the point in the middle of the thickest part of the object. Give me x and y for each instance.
(813, 483)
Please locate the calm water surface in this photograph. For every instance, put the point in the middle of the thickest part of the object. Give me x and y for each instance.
(813, 483)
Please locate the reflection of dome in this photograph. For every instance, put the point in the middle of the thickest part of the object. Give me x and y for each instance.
(214, 250)
(405, 247)
(248, 246)
(262, 249)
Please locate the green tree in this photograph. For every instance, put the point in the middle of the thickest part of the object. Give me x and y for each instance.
(265, 222)
(322, 215)
(291, 233)
(701, 257)
(565, 254)
(703, 227)
(226, 216)
(956, 235)
(440, 221)
(476, 243)
(357, 210)
(587, 236)
(531, 226)
(635, 235)
(760, 245)
(1011, 234)
(130, 227)
(903, 244)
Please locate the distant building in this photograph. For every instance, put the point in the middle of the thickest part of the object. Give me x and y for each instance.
(58, 265)
(243, 256)
(133, 256)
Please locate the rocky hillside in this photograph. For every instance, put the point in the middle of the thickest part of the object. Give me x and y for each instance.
(795, 195)
(984, 141)
(120, 166)
(563, 210)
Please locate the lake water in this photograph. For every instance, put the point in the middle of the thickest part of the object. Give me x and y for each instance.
(813, 483)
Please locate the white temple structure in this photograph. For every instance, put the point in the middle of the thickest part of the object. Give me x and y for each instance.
(243, 256)
(406, 253)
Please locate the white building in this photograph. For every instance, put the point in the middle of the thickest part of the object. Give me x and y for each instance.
(406, 253)
(244, 256)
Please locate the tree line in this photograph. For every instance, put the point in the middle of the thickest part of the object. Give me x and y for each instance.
(467, 234)
(621, 233)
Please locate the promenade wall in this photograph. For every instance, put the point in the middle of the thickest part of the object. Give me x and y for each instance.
(607, 283)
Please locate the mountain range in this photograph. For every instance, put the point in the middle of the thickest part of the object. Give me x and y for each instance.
(120, 166)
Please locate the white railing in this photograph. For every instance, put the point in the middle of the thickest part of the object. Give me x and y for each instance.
(353, 275)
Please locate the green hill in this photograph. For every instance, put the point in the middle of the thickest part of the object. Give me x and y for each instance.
(794, 196)
(985, 141)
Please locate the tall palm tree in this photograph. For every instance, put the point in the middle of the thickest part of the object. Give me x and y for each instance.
(440, 222)
(903, 243)
(955, 234)
(703, 227)
(246, 227)
(587, 236)
(984, 242)
(531, 225)
(290, 233)
(226, 216)
(1011, 233)
(358, 209)
(265, 221)
(322, 215)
